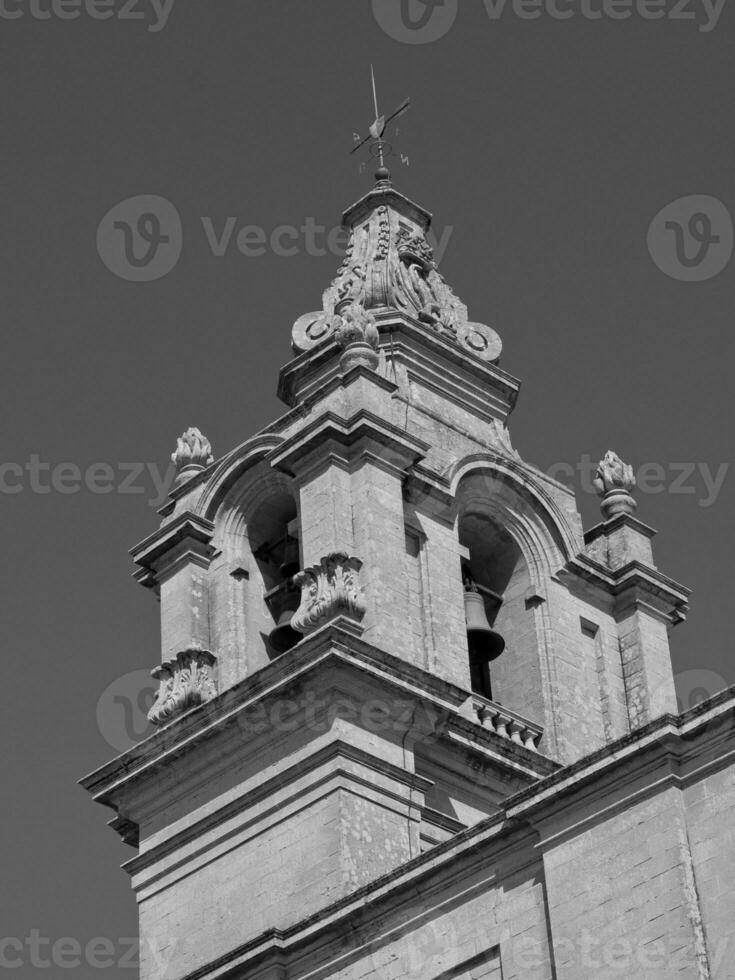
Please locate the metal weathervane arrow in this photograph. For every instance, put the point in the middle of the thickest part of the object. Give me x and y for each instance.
(378, 127)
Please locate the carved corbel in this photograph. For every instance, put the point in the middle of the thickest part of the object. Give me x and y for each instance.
(328, 589)
(184, 682)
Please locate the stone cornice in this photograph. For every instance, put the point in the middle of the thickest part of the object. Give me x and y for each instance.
(332, 646)
(337, 752)
(362, 432)
(389, 197)
(633, 583)
(186, 538)
(451, 371)
(657, 753)
(614, 524)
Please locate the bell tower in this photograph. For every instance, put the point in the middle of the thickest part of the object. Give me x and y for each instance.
(378, 623)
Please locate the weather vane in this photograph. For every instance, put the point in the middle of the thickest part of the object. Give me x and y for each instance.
(379, 147)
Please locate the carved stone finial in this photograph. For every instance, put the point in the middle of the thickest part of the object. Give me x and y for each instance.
(614, 481)
(184, 681)
(389, 264)
(193, 453)
(357, 333)
(328, 589)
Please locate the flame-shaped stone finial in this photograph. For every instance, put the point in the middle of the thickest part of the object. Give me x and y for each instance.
(614, 481)
(358, 335)
(193, 453)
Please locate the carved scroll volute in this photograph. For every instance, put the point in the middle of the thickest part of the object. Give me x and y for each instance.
(328, 589)
(184, 682)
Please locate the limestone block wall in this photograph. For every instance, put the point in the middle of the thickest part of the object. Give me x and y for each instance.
(622, 897)
(268, 852)
(326, 506)
(442, 604)
(710, 811)
(496, 930)
(646, 658)
(185, 618)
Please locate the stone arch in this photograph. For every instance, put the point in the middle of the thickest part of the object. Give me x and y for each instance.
(252, 507)
(517, 538)
(517, 501)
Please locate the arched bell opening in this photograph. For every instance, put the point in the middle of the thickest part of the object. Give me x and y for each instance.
(275, 545)
(491, 560)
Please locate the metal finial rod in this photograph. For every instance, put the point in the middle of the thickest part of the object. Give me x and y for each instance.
(375, 94)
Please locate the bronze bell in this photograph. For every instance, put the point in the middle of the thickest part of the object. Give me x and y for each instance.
(283, 636)
(484, 643)
(290, 564)
(284, 600)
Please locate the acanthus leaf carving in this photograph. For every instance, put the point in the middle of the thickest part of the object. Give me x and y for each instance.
(389, 263)
(185, 681)
(329, 589)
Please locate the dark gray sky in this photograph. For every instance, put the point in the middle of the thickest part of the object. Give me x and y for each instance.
(547, 146)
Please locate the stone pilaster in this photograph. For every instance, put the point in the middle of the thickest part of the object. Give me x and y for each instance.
(174, 563)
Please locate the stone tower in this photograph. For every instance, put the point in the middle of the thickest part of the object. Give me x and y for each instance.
(348, 782)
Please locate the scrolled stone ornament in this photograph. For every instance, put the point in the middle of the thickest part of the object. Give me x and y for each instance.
(481, 340)
(312, 329)
(328, 590)
(614, 481)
